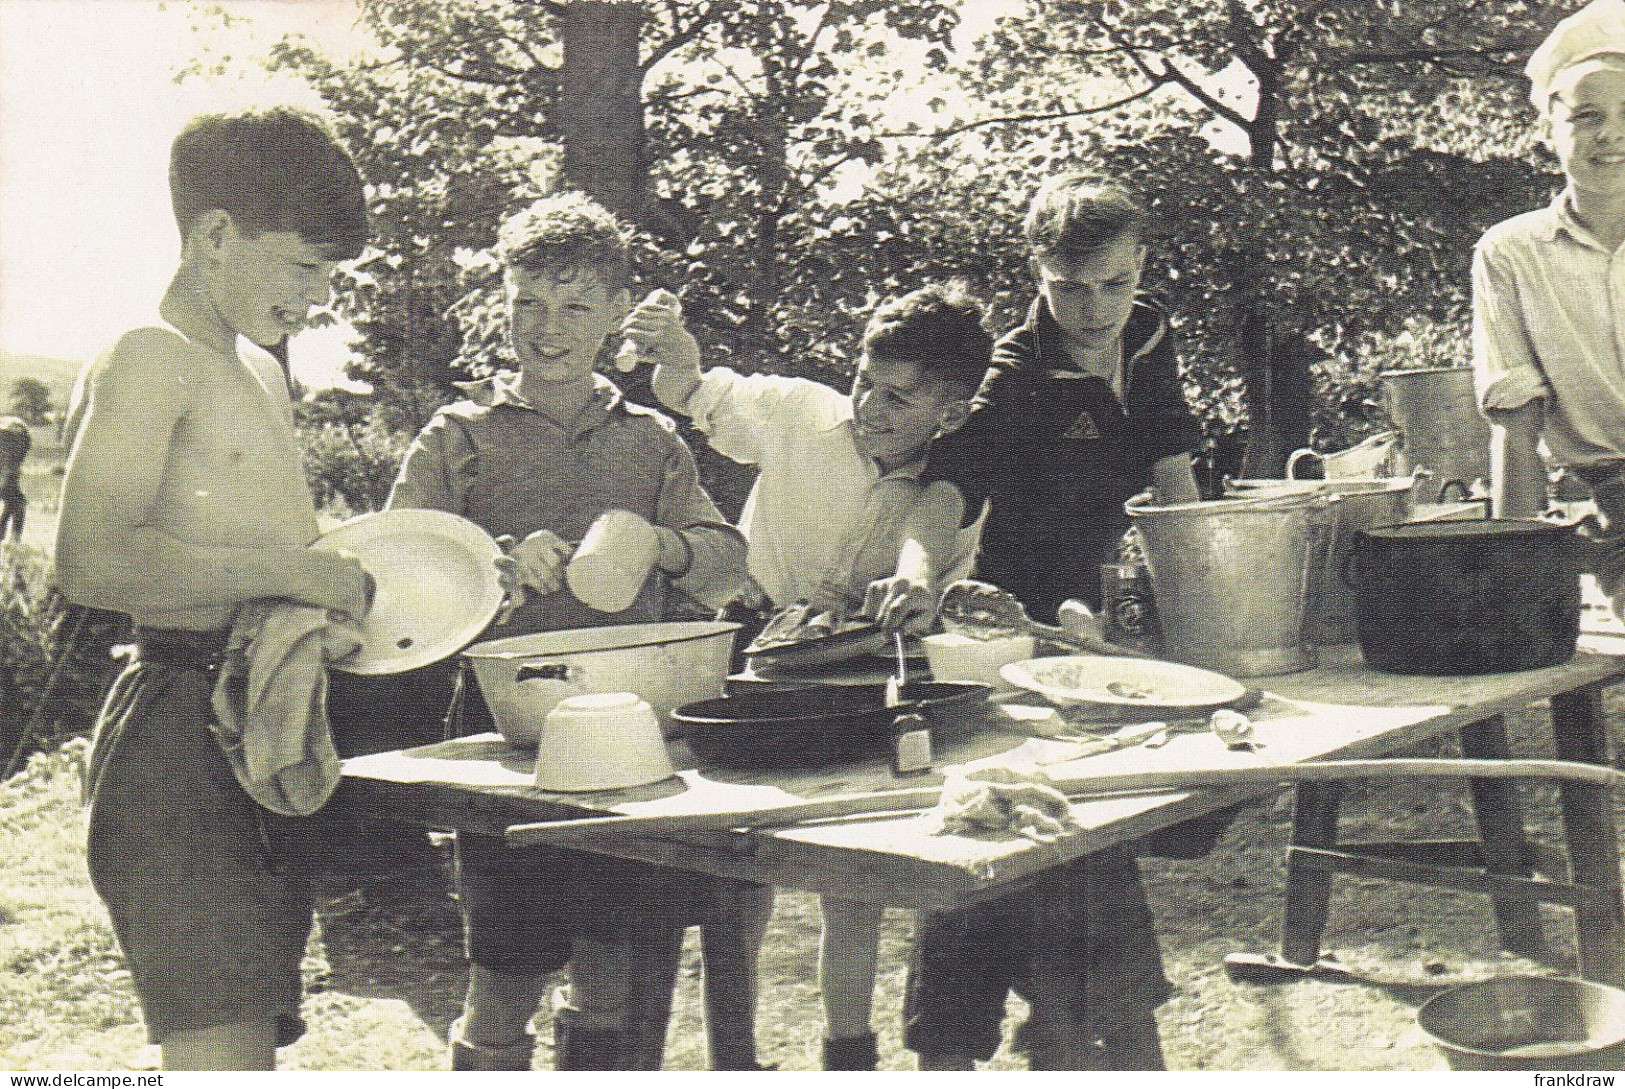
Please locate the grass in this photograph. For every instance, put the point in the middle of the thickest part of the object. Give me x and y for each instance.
(385, 972)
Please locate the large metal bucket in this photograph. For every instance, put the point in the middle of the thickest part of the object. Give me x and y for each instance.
(1528, 1023)
(1352, 505)
(1437, 411)
(1231, 579)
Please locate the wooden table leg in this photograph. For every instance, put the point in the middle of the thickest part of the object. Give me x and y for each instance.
(1308, 888)
(1588, 822)
(1308, 893)
(1499, 813)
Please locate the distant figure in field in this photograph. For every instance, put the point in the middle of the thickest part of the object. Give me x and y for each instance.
(15, 440)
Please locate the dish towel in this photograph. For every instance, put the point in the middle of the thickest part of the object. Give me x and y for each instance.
(271, 703)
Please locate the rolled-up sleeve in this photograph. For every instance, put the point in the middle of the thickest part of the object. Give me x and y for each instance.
(1506, 371)
(716, 572)
(740, 415)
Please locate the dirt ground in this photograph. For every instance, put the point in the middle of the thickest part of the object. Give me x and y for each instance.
(386, 973)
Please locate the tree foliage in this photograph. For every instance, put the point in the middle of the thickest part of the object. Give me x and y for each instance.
(1320, 168)
(31, 400)
(1323, 168)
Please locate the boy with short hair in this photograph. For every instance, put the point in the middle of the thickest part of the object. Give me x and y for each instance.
(1548, 354)
(830, 516)
(185, 499)
(538, 461)
(1081, 410)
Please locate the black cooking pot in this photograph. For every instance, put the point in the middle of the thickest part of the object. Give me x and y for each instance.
(1463, 597)
(814, 725)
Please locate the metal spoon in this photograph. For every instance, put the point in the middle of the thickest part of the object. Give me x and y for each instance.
(982, 611)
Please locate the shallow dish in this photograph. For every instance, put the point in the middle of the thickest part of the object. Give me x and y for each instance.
(1124, 682)
(438, 586)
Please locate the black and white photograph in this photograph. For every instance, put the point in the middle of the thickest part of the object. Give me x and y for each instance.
(812, 535)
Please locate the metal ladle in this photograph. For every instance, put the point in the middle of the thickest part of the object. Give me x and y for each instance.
(982, 611)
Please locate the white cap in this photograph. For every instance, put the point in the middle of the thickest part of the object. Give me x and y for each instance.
(1591, 38)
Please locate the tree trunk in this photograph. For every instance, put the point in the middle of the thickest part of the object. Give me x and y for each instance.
(1275, 368)
(1279, 394)
(599, 111)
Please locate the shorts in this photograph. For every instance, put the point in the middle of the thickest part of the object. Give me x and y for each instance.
(1095, 993)
(212, 930)
(523, 906)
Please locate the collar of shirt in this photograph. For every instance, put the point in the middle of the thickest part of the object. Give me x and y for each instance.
(607, 400)
(1143, 332)
(1560, 218)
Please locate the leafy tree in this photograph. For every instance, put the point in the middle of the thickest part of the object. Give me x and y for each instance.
(715, 126)
(1369, 143)
(31, 400)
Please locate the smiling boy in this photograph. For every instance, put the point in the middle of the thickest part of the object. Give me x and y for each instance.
(185, 498)
(829, 520)
(1548, 301)
(538, 460)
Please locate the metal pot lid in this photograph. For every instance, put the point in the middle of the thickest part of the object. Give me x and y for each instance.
(438, 586)
(1468, 527)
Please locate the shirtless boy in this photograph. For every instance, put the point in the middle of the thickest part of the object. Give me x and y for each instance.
(185, 498)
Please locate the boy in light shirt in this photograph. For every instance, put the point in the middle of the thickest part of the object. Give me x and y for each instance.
(831, 518)
(1549, 297)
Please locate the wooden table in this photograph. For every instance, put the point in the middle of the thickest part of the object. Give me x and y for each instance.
(1339, 710)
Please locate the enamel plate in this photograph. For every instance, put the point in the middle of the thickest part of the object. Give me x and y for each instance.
(1123, 682)
(438, 587)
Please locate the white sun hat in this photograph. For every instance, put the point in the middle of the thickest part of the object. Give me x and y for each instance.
(438, 586)
(1591, 38)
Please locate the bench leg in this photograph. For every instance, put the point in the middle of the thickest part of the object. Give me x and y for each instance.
(1588, 824)
(1499, 813)
(1308, 895)
(1309, 888)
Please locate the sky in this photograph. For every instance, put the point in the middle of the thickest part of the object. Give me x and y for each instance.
(88, 107)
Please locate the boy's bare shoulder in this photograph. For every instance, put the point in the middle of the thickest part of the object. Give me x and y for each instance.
(156, 353)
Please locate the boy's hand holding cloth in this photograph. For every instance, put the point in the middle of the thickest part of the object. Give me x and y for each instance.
(271, 702)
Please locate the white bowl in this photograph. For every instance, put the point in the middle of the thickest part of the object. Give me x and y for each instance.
(602, 741)
(955, 657)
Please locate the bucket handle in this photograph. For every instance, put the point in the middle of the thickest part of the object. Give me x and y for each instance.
(1297, 456)
(1455, 482)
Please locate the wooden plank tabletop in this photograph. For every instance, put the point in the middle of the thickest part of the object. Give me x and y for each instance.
(1338, 710)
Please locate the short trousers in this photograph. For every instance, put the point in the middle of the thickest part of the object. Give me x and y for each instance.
(523, 906)
(213, 932)
(1096, 992)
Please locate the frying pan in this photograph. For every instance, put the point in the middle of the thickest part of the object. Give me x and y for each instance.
(813, 726)
(825, 650)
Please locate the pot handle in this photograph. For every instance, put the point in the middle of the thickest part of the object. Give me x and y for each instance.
(550, 671)
(1466, 492)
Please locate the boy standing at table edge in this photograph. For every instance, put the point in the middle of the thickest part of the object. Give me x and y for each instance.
(1081, 410)
(538, 461)
(830, 515)
(1548, 305)
(186, 498)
